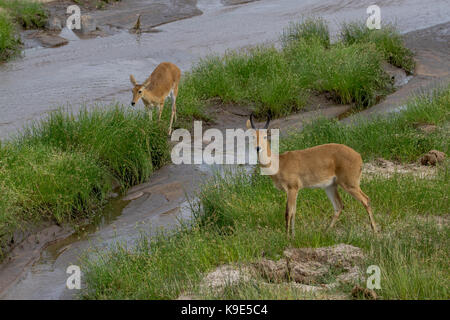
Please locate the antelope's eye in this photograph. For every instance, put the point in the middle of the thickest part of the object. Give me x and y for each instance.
(140, 91)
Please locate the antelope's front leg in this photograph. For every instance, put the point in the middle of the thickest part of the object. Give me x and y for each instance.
(148, 107)
(291, 208)
(160, 109)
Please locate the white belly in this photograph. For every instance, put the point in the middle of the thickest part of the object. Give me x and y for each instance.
(323, 184)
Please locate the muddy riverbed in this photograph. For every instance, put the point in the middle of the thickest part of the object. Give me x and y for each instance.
(96, 70)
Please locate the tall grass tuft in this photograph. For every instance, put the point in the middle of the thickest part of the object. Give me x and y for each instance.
(310, 29)
(9, 40)
(387, 40)
(347, 73)
(28, 14)
(258, 76)
(126, 142)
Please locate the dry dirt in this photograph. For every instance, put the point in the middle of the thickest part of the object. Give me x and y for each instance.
(387, 169)
(314, 271)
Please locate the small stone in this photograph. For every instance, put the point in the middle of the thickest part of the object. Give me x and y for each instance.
(51, 41)
(112, 195)
(307, 272)
(432, 158)
(133, 196)
(272, 270)
(54, 24)
(88, 24)
(223, 276)
(358, 292)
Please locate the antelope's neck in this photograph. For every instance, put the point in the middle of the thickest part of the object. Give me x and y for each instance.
(148, 96)
(268, 161)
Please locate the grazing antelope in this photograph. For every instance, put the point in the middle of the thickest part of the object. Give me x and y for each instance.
(325, 166)
(154, 91)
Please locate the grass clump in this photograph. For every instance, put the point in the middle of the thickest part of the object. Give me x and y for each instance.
(260, 76)
(347, 73)
(9, 40)
(387, 40)
(51, 182)
(240, 219)
(126, 142)
(278, 81)
(61, 168)
(28, 14)
(310, 29)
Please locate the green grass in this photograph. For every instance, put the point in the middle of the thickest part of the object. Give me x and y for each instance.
(348, 74)
(387, 40)
(28, 14)
(259, 76)
(240, 218)
(395, 137)
(9, 40)
(279, 81)
(124, 141)
(61, 168)
(309, 30)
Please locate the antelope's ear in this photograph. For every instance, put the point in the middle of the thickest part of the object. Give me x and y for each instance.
(132, 80)
(249, 125)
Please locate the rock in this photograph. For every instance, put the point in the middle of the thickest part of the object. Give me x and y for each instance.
(223, 276)
(51, 40)
(133, 196)
(398, 76)
(54, 24)
(88, 24)
(309, 265)
(432, 158)
(300, 268)
(307, 272)
(353, 275)
(235, 2)
(271, 270)
(112, 195)
(383, 163)
(358, 292)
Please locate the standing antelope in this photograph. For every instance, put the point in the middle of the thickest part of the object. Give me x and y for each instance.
(154, 91)
(325, 166)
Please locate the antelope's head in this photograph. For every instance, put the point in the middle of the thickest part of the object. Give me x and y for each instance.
(138, 90)
(260, 136)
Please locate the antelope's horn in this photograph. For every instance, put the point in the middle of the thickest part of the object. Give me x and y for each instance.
(251, 121)
(267, 123)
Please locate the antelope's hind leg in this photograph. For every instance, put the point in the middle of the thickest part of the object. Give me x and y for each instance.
(333, 195)
(357, 193)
